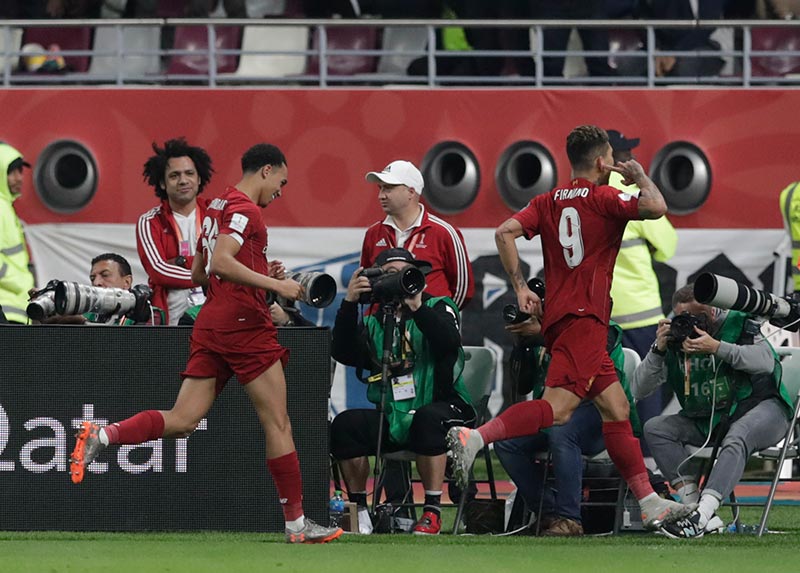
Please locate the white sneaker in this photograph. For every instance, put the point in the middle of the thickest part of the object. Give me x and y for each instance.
(464, 445)
(364, 521)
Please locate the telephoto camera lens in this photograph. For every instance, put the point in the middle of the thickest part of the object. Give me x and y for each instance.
(75, 298)
(399, 285)
(320, 288)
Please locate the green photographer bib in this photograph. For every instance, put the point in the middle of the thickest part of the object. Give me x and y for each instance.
(411, 346)
(704, 384)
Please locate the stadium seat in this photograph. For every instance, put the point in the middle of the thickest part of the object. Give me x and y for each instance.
(278, 40)
(351, 39)
(401, 39)
(775, 39)
(134, 39)
(195, 39)
(67, 38)
(13, 45)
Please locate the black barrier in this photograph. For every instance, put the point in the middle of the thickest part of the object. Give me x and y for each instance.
(55, 376)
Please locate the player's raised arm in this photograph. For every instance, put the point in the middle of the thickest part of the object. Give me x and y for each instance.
(651, 201)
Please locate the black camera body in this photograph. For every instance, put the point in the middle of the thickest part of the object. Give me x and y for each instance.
(511, 312)
(513, 315)
(392, 286)
(682, 326)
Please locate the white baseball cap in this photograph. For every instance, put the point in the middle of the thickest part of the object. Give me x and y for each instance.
(398, 173)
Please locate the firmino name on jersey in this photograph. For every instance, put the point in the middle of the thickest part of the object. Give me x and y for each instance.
(564, 194)
(218, 204)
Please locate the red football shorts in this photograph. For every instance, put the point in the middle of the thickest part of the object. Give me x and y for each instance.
(579, 360)
(220, 354)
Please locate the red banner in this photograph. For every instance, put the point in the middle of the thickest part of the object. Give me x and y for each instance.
(333, 137)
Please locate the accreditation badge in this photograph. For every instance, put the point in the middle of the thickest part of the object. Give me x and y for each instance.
(403, 388)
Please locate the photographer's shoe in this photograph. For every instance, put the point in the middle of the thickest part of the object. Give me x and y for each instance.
(429, 524)
(87, 447)
(563, 527)
(464, 445)
(313, 533)
(715, 525)
(656, 511)
(691, 527)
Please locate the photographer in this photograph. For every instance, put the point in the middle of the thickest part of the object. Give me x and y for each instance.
(726, 376)
(426, 394)
(108, 271)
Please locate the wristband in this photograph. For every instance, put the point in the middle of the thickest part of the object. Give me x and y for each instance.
(654, 349)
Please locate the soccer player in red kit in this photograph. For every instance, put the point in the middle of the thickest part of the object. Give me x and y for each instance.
(581, 226)
(233, 334)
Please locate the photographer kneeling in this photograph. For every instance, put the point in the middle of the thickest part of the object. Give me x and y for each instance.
(727, 378)
(425, 395)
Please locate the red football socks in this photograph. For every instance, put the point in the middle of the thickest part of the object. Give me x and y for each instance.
(522, 419)
(623, 449)
(144, 426)
(285, 472)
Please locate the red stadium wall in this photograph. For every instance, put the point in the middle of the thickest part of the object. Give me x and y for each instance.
(332, 137)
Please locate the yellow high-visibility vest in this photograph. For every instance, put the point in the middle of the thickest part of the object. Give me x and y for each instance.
(15, 277)
(634, 290)
(790, 209)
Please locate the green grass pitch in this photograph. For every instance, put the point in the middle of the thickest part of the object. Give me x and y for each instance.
(221, 552)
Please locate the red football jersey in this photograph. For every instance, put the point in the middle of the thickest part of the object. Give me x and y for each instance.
(581, 227)
(231, 306)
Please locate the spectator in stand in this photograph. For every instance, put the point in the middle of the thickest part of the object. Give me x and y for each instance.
(556, 39)
(687, 39)
(506, 39)
(166, 236)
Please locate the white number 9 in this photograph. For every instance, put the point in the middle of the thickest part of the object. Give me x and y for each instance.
(569, 235)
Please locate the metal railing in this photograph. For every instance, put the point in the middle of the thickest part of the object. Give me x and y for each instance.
(743, 62)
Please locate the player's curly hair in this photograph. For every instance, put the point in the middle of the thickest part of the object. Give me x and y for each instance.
(155, 167)
(584, 143)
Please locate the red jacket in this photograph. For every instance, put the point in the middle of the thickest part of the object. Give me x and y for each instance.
(157, 243)
(435, 241)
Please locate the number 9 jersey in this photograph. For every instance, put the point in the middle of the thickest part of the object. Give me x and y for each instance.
(581, 228)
